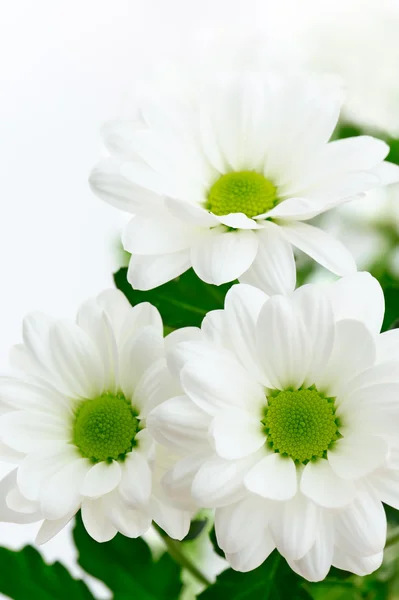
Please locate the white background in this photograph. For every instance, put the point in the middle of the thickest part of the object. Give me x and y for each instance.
(65, 68)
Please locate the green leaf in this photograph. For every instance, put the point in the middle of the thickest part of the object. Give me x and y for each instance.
(273, 580)
(182, 302)
(127, 568)
(25, 575)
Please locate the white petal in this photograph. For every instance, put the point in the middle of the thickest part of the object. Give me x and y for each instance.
(222, 256)
(315, 565)
(155, 386)
(386, 484)
(162, 235)
(219, 482)
(253, 555)
(295, 527)
(175, 521)
(353, 351)
(191, 214)
(359, 565)
(318, 318)
(323, 486)
(135, 487)
(141, 316)
(76, 360)
(36, 329)
(298, 209)
(7, 484)
(221, 384)
(273, 269)
(117, 308)
(50, 529)
(194, 350)
(101, 479)
(61, 495)
(359, 297)
(27, 431)
(216, 328)
(97, 525)
(137, 355)
(361, 528)
(283, 343)
(18, 503)
(242, 307)
(273, 477)
(148, 272)
(178, 480)
(235, 434)
(238, 525)
(320, 246)
(356, 455)
(388, 345)
(380, 397)
(39, 397)
(131, 523)
(238, 221)
(94, 321)
(179, 423)
(386, 172)
(37, 468)
(107, 182)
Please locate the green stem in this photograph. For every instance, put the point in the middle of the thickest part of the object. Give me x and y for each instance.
(174, 549)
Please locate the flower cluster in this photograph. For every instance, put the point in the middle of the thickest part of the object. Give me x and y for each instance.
(281, 412)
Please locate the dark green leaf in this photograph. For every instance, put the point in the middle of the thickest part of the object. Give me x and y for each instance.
(25, 575)
(127, 568)
(273, 580)
(216, 547)
(196, 528)
(181, 302)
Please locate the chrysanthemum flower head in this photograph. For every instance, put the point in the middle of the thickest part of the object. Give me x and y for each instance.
(289, 424)
(74, 422)
(222, 178)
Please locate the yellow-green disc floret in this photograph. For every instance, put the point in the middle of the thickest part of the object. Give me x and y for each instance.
(242, 192)
(301, 424)
(105, 428)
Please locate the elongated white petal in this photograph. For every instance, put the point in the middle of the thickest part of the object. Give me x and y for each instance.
(273, 269)
(76, 360)
(359, 565)
(147, 272)
(294, 527)
(273, 477)
(61, 494)
(138, 354)
(178, 480)
(361, 527)
(283, 343)
(50, 528)
(219, 482)
(220, 384)
(95, 521)
(318, 318)
(297, 209)
(165, 235)
(386, 484)
(242, 307)
(223, 256)
(359, 297)
(237, 525)
(174, 521)
(131, 523)
(324, 487)
(354, 456)
(7, 485)
(252, 555)
(27, 431)
(315, 565)
(101, 479)
(191, 214)
(354, 351)
(155, 386)
(179, 423)
(320, 246)
(235, 434)
(135, 487)
(117, 308)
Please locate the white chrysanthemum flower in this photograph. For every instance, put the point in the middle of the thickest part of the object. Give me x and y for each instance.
(223, 178)
(75, 422)
(289, 424)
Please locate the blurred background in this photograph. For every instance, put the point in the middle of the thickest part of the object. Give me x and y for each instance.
(67, 67)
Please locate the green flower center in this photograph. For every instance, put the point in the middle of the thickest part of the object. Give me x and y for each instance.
(243, 192)
(105, 428)
(301, 424)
